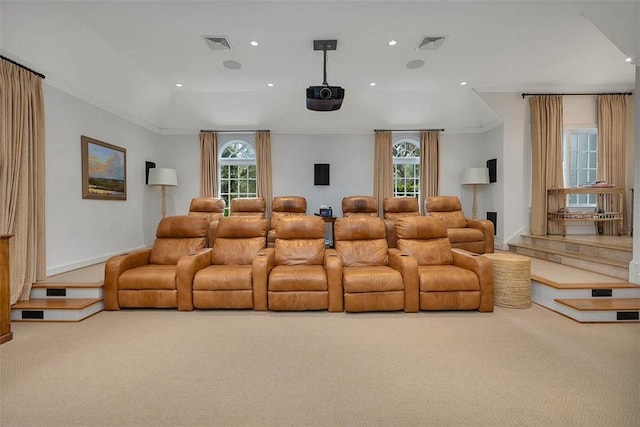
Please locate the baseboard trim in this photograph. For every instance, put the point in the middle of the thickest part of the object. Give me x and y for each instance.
(64, 268)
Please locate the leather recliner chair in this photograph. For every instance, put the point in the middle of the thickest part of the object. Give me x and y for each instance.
(210, 208)
(149, 277)
(394, 208)
(449, 279)
(304, 275)
(359, 206)
(474, 235)
(283, 206)
(251, 206)
(374, 277)
(225, 276)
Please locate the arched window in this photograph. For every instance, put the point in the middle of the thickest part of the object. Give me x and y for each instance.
(237, 174)
(406, 168)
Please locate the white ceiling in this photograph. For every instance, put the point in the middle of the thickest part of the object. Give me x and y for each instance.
(126, 56)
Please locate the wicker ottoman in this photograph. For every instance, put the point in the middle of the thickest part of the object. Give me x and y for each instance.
(511, 280)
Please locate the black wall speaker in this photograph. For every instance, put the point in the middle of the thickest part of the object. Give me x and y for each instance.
(321, 174)
(492, 165)
(493, 217)
(148, 165)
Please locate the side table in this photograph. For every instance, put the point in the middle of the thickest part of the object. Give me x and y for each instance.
(511, 279)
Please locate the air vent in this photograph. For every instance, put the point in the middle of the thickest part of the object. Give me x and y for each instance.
(430, 43)
(218, 43)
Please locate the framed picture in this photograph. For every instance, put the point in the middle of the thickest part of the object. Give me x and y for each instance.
(104, 170)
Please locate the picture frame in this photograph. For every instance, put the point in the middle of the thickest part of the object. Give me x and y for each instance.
(104, 170)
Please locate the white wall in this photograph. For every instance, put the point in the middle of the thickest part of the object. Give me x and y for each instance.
(82, 231)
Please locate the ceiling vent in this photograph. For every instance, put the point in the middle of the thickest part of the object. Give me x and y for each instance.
(218, 43)
(430, 43)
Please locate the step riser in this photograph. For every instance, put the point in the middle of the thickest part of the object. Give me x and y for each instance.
(580, 249)
(41, 293)
(600, 316)
(606, 269)
(586, 293)
(55, 315)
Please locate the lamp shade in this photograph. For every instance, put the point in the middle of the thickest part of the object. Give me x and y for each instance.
(162, 176)
(473, 176)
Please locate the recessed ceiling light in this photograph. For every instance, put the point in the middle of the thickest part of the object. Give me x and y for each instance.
(178, 84)
(372, 84)
(628, 59)
(254, 43)
(463, 83)
(392, 42)
(232, 65)
(416, 63)
(270, 84)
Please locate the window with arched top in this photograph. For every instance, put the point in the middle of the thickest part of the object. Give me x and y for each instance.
(237, 172)
(406, 168)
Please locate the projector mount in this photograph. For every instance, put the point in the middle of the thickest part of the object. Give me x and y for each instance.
(325, 45)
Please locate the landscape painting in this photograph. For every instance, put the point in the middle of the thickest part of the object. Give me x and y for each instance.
(104, 170)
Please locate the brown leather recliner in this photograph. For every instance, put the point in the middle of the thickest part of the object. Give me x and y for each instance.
(359, 206)
(374, 277)
(251, 206)
(394, 208)
(304, 275)
(449, 279)
(226, 277)
(474, 235)
(149, 277)
(210, 208)
(283, 206)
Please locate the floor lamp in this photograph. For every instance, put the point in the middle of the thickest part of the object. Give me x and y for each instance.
(163, 177)
(475, 176)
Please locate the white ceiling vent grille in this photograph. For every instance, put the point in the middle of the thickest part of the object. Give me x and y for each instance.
(430, 43)
(218, 43)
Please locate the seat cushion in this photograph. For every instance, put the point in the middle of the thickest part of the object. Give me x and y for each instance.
(150, 276)
(224, 277)
(285, 278)
(371, 279)
(446, 278)
(462, 235)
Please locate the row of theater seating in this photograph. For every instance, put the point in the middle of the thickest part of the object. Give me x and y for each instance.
(238, 271)
(471, 234)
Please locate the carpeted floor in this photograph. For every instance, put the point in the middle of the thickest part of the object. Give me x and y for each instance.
(529, 367)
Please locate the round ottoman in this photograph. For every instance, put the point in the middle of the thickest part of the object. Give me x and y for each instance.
(511, 280)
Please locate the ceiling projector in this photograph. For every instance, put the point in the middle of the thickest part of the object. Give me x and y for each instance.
(325, 97)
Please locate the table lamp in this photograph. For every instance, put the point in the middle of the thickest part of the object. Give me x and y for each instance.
(475, 176)
(163, 177)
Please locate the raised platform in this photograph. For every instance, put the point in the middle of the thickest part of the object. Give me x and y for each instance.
(56, 310)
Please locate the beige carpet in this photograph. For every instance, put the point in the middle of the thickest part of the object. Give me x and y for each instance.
(163, 367)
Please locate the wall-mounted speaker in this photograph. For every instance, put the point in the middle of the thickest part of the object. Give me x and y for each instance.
(148, 165)
(321, 174)
(492, 165)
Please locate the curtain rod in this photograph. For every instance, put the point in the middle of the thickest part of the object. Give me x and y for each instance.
(235, 130)
(577, 94)
(407, 130)
(22, 66)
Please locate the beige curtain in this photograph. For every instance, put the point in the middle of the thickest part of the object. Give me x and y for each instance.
(22, 170)
(612, 114)
(208, 164)
(546, 160)
(429, 165)
(263, 160)
(382, 168)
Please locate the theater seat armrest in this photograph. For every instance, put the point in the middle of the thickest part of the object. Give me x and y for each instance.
(187, 268)
(333, 267)
(487, 229)
(114, 267)
(483, 268)
(262, 266)
(408, 268)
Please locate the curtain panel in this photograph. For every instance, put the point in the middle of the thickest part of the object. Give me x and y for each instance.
(208, 164)
(612, 124)
(382, 168)
(429, 166)
(546, 159)
(22, 180)
(263, 164)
